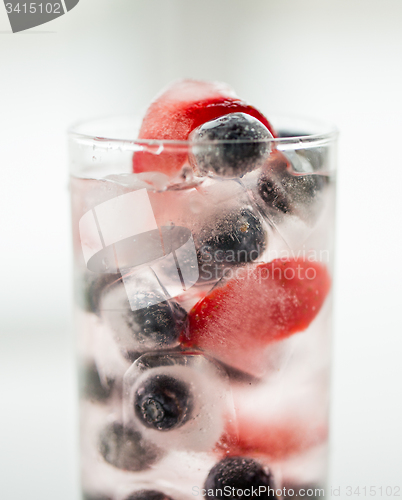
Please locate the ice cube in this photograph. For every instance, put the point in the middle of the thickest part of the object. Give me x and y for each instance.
(231, 239)
(179, 109)
(256, 306)
(97, 346)
(289, 193)
(145, 318)
(126, 448)
(155, 180)
(89, 287)
(177, 400)
(307, 470)
(92, 385)
(229, 232)
(230, 146)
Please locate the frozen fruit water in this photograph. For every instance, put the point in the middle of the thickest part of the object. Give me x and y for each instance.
(195, 372)
(231, 476)
(178, 400)
(163, 403)
(243, 145)
(126, 449)
(258, 305)
(148, 495)
(177, 111)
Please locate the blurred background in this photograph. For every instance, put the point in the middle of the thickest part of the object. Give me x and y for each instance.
(335, 60)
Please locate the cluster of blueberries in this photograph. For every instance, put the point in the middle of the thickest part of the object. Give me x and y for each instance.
(163, 402)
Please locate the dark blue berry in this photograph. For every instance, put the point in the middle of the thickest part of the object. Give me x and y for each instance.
(273, 193)
(238, 473)
(289, 184)
(242, 145)
(148, 495)
(126, 449)
(289, 192)
(231, 240)
(91, 385)
(163, 403)
(157, 326)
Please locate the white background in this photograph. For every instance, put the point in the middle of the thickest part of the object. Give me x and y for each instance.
(337, 60)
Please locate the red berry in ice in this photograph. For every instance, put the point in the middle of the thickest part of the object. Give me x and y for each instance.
(275, 440)
(182, 107)
(260, 304)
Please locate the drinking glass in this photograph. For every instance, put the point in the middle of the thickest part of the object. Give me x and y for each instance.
(203, 313)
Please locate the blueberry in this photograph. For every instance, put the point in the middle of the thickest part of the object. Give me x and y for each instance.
(233, 239)
(163, 403)
(273, 194)
(238, 473)
(245, 145)
(289, 192)
(126, 449)
(157, 326)
(148, 495)
(91, 385)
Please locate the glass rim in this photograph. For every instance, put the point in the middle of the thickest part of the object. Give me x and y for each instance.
(75, 131)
